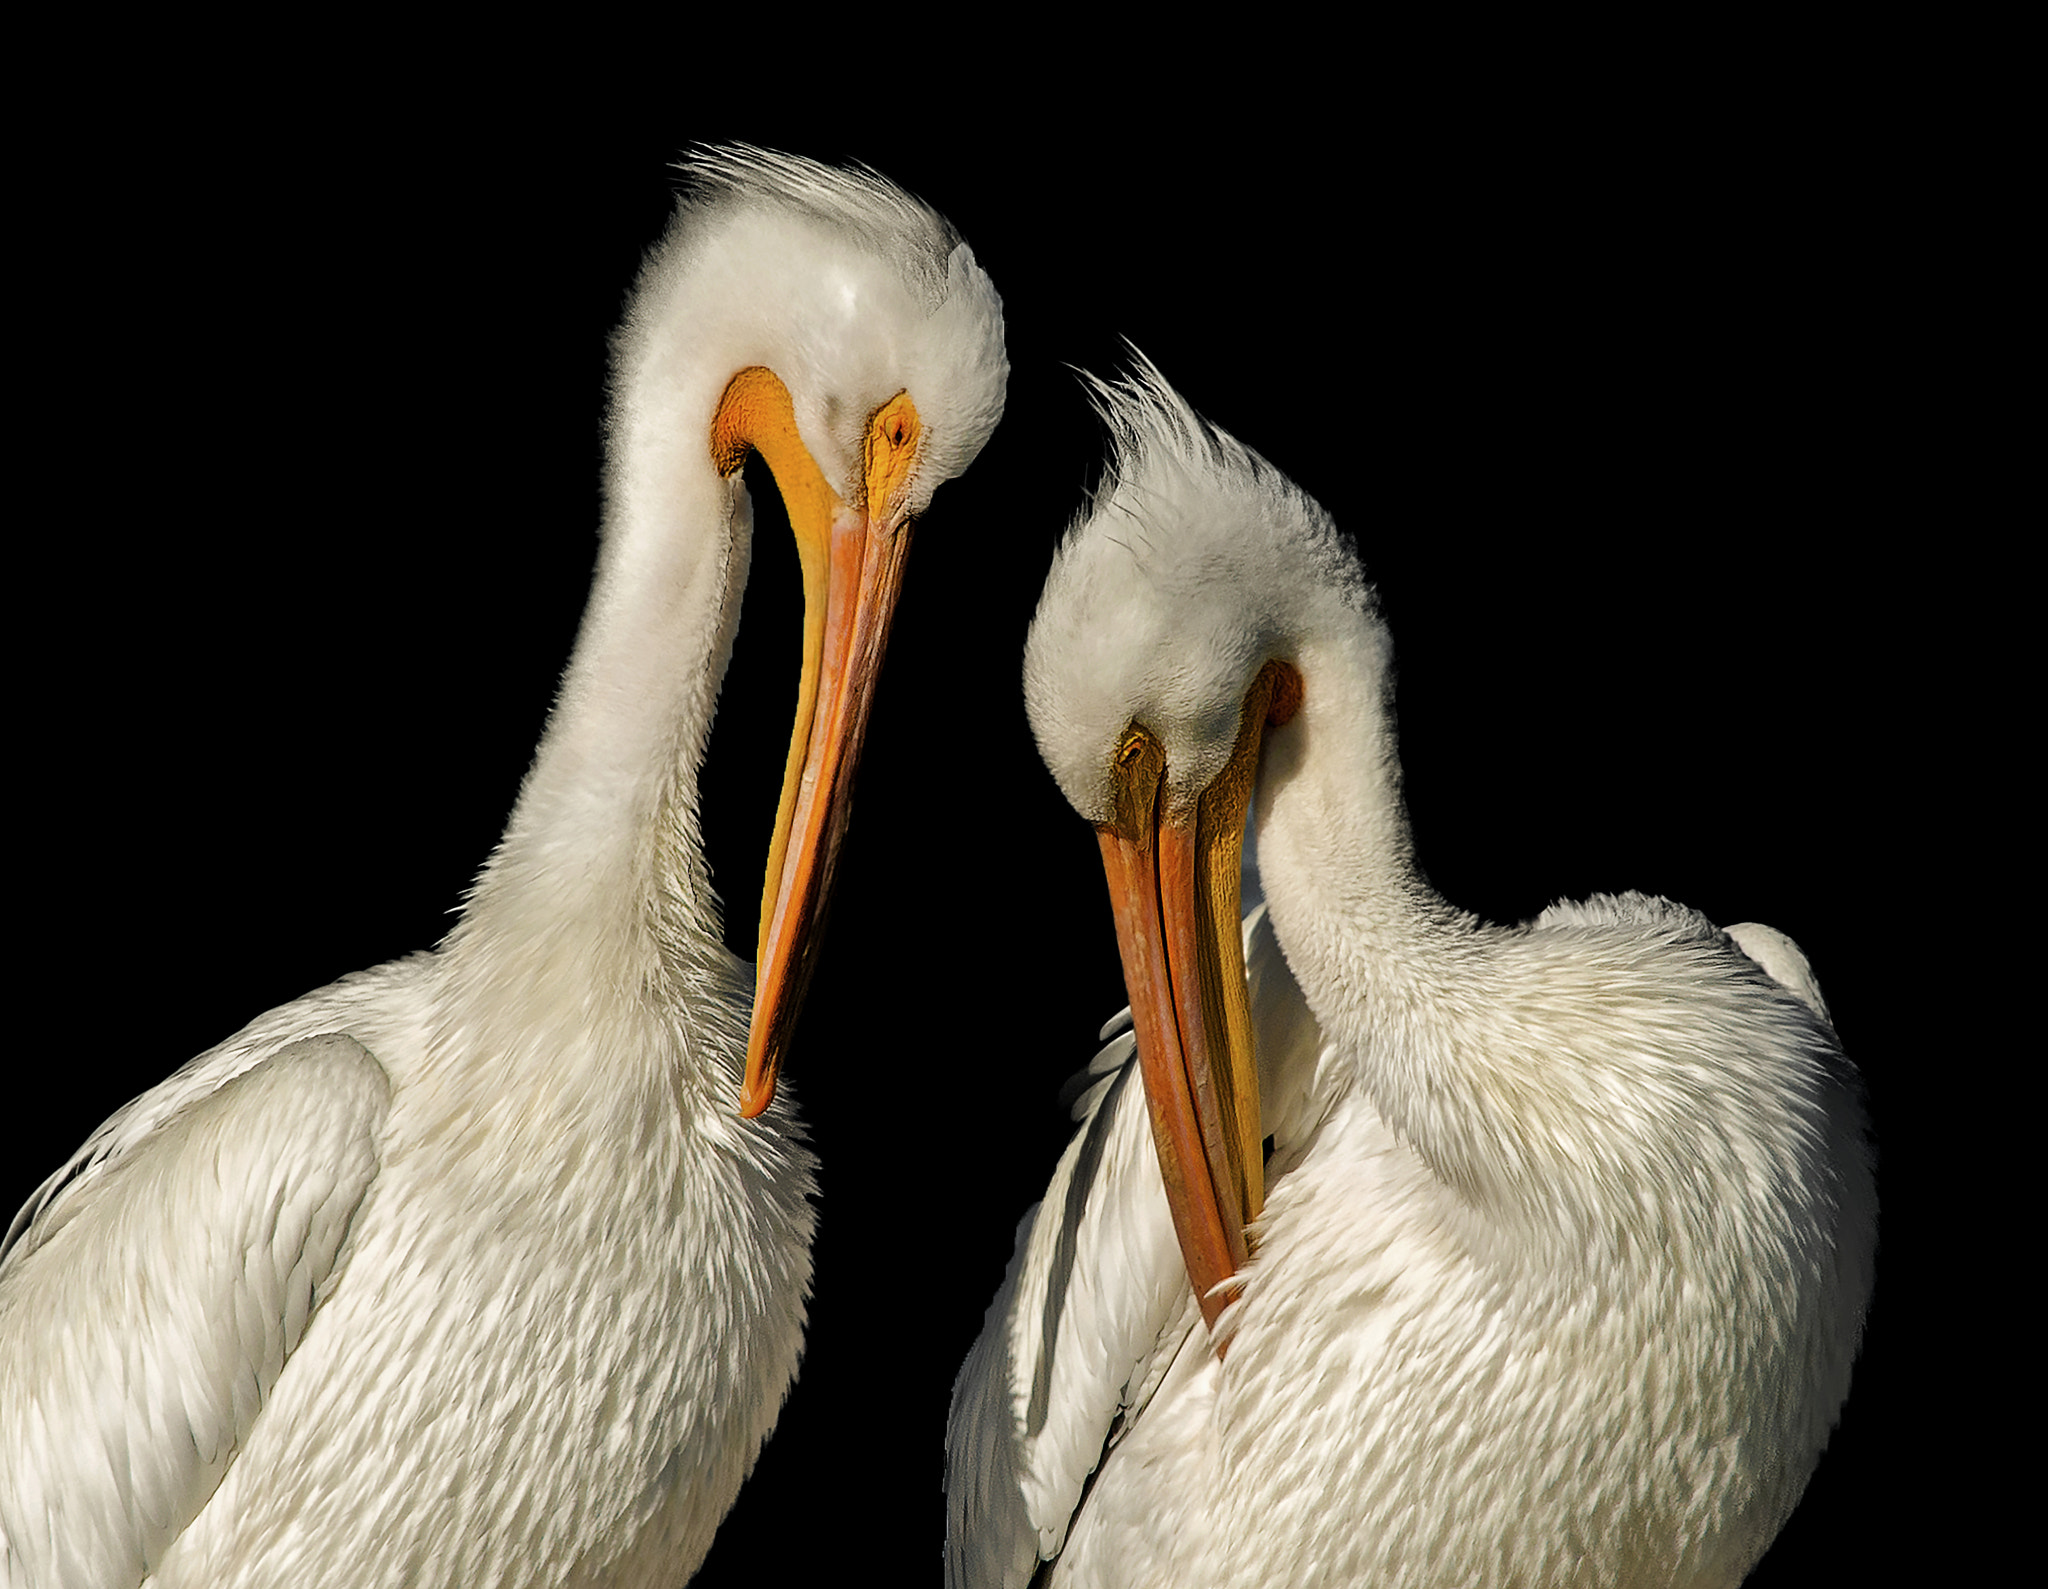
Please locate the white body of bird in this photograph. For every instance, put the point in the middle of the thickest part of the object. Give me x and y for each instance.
(1567, 1228)
(466, 1270)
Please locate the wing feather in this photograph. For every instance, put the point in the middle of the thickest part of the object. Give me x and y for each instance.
(1096, 1281)
(1095, 1310)
(1783, 961)
(144, 1323)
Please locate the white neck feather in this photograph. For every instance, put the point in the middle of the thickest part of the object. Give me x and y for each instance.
(599, 891)
(1536, 1069)
(1361, 926)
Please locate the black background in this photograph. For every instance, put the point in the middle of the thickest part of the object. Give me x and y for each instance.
(1622, 398)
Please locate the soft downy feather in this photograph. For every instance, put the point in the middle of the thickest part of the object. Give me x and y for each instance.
(1569, 1224)
(464, 1270)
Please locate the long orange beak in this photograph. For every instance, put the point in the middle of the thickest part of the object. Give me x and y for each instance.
(853, 557)
(1173, 886)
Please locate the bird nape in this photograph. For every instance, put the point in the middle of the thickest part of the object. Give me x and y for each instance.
(1412, 1249)
(467, 1269)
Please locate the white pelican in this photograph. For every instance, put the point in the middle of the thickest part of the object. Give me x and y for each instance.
(466, 1270)
(1555, 1259)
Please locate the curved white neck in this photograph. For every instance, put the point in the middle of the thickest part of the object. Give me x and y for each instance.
(599, 888)
(1535, 1069)
(1336, 859)
(1390, 969)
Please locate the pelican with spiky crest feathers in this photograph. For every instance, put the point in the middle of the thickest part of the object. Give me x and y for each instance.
(1395, 1247)
(489, 1266)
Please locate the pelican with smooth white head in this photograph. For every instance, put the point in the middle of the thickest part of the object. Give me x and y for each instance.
(467, 1270)
(1428, 1251)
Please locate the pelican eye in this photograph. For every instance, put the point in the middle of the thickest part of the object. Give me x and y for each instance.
(1137, 776)
(894, 431)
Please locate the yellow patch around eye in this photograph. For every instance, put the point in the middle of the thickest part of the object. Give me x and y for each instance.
(1137, 771)
(895, 433)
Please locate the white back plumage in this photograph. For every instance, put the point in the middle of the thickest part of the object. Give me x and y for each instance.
(464, 1270)
(1569, 1225)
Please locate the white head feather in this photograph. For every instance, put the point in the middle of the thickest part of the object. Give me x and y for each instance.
(841, 283)
(1195, 565)
(1572, 1220)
